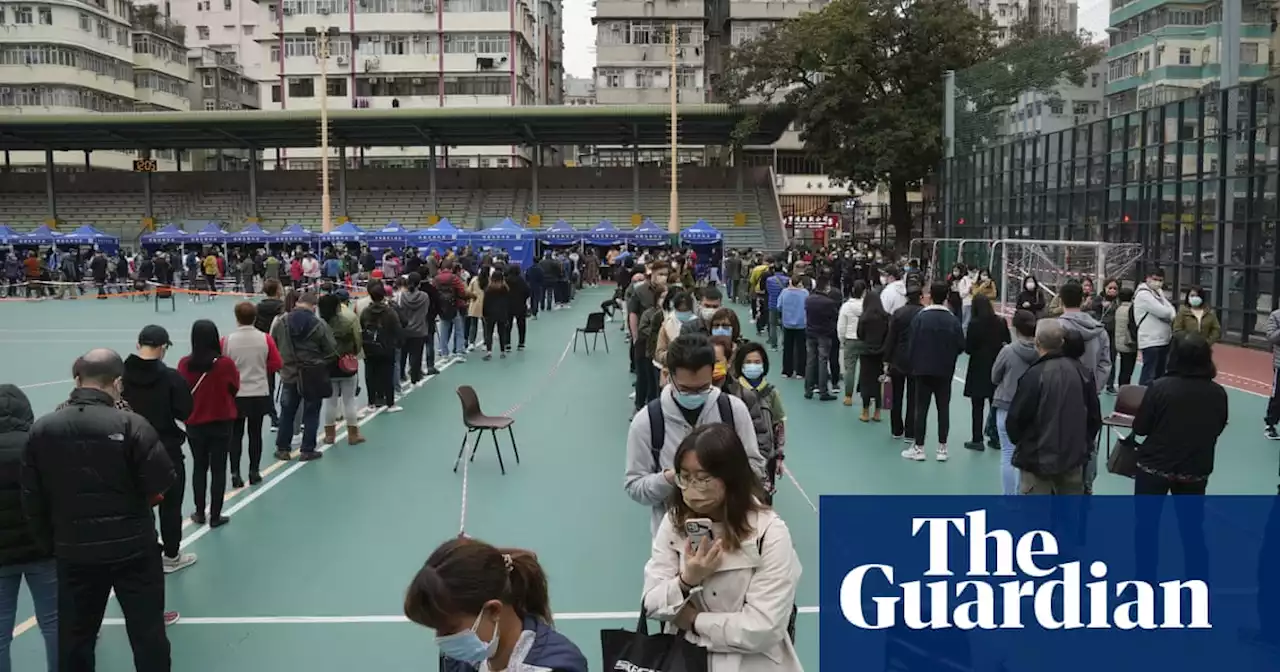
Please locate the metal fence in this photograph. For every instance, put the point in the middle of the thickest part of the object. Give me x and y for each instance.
(1193, 181)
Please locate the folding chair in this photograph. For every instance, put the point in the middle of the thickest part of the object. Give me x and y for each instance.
(165, 292)
(477, 422)
(595, 325)
(1128, 399)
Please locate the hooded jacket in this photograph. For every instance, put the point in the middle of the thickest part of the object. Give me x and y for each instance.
(541, 648)
(380, 318)
(161, 395)
(303, 339)
(414, 307)
(1097, 346)
(1013, 361)
(268, 309)
(1054, 418)
(17, 546)
(1154, 315)
(894, 296)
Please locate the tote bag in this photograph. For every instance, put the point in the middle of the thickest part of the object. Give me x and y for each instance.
(639, 650)
(886, 392)
(1123, 459)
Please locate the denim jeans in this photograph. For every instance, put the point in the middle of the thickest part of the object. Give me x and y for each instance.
(817, 367)
(453, 331)
(1154, 361)
(775, 325)
(1008, 475)
(42, 581)
(290, 403)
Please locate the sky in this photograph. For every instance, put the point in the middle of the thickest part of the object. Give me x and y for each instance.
(580, 35)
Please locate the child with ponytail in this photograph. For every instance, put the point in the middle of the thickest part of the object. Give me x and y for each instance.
(490, 609)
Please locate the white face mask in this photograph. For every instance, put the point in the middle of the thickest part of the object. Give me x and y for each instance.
(1155, 284)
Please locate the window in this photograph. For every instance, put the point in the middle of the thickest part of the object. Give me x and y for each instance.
(206, 80)
(1093, 80)
(644, 79)
(476, 5)
(202, 32)
(1248, 53)
(455, 162)
(104, 30)
(394, 46)
(302, 87)
(86, 22)
(492, 44)
(686, 79)
(485, 162)
(1184, 56)
(337, 86)
(610, 78)
(23, 15)
(210, 105)
(1055, 107)
(122, 36)
(248, 29)
(226, 5)
(504, 162)
(46, 16)
(275, 93)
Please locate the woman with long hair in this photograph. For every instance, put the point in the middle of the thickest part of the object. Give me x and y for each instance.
(703, 586)
(518, 302)
(342, 373)
(497, 316)
(214, 381)
(873, 334)
(987, 334)
(490, 608)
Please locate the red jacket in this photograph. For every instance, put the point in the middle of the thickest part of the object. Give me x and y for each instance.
(215, 398)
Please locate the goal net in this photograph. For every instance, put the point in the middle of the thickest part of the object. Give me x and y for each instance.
(1053, 263)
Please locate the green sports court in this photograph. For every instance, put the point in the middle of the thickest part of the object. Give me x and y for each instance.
(311, 573)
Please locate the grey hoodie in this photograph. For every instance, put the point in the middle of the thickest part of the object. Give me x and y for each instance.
(644, 481)
(1013, 361)
(1097, 346)
(414, 306)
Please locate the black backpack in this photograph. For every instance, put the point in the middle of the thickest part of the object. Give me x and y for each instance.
(658, 427)
(1134, 324)
(448, 299)
(375, 339)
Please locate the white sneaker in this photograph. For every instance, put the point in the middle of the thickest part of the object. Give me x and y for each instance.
(394, 409)
(183, 561)
(367, 410)
(913, 452)
(941, 455)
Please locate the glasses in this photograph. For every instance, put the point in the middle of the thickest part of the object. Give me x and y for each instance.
(699, 482)
(699, 390)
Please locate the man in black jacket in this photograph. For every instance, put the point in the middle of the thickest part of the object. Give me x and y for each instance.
(268, 309)
(160, 394)
(935, 339)
(91, 474)
(821, 312)
(1053, 419)
(898, 364)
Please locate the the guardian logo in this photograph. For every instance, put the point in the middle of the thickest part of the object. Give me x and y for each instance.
(1028, 562)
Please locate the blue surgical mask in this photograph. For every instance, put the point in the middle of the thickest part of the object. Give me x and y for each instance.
(684, 315)
(467, 647)
(753, 371)
(1195, 301)
(722, 331)
(692, 402)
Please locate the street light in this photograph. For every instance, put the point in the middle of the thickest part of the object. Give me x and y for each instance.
(322, 37)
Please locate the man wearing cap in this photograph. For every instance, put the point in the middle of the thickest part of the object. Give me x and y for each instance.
(156, 392)
(307, 348)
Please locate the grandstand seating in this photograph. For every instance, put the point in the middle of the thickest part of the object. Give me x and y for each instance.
(475, 198)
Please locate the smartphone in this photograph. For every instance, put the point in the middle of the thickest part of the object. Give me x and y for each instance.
(699, 531)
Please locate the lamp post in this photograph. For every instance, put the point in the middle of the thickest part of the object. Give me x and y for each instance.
(322, 54)
(673, 225)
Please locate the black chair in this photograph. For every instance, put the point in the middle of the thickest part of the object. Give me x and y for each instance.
(1128, 400)
(477, 422)
(595, 325)
(165, 292)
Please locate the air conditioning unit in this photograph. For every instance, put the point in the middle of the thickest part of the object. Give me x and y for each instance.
(342, 60)
(324, 11)
(287, 11)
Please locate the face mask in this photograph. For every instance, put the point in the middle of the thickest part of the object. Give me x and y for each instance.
(1195, 301)
(722, 331)
(753, 371)
(719, 372)
(467, 647)
(692, 402)
(1155, 285)
(707, 313)
(700, 501)
(684, 315)
(1031, 286)
(884, 279)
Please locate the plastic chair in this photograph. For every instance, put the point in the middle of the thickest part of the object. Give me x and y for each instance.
(478, 423)
(595, 325)
(1128, 400)
(163, 292)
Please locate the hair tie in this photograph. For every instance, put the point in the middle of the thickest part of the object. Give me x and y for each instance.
(506, 560)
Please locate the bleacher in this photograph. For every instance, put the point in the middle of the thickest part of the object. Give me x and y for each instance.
(470, 198)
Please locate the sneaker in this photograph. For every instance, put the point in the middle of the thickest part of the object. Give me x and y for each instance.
(183, 561)
(433, 371)
(914, 452)
(941, 455)
(171, 617)
(502, 355)
(394, 409)
(1271, 433)
(460, 359)
(283, 455)
(975, 445)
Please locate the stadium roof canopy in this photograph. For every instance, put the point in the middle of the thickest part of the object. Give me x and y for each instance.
(485, 126)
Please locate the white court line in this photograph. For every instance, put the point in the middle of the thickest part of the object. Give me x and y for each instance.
(342, 620)
(29, 386)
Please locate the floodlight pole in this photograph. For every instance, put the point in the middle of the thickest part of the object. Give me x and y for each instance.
(673, 225)
(322, 52)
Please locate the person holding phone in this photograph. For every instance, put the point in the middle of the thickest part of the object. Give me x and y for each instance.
(723, 569)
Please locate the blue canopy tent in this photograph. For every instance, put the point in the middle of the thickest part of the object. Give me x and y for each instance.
(88, 235)
(166, 235)
(211, 233)
(605, 234)
(7, 235)
(393, 235)
(251, 235)
(442, 236)
(41, 235)
(703, 235)
(647, 234)
(509, 237)
(347, 233)
(560, 234)
(294, 233)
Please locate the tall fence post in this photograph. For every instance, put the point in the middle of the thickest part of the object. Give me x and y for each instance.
(949, 148)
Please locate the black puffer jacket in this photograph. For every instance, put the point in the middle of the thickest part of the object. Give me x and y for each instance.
(90, 475)
(17, 546)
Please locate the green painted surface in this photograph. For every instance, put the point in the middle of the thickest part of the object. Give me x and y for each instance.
(341, 537)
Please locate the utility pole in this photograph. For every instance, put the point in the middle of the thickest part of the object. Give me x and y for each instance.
(322, 53)
(673, 225)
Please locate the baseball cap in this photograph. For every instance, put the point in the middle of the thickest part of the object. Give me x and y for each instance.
(342, 295)
(154, 335)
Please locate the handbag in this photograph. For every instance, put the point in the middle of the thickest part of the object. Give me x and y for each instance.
(1123, 459)
(348, 364)
(639, 650)
(886, 392)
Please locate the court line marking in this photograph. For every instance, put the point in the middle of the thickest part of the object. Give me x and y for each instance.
(29, 386)
(259, 490)
(343, 620)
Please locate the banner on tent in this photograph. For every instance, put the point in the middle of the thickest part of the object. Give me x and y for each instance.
(801, 222)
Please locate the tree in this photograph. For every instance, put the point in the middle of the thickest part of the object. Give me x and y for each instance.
(864, 79)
